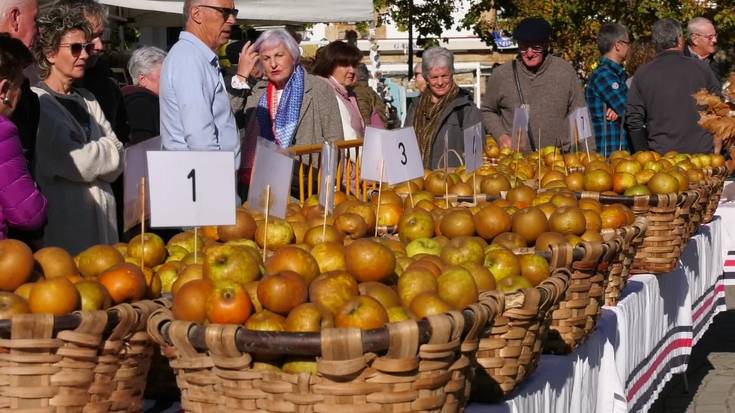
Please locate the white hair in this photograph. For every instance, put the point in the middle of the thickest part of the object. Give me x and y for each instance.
(436, 57)
(697, 23)
(272, 38)
(144, 60)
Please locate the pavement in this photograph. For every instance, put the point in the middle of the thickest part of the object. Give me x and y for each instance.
(710, 376)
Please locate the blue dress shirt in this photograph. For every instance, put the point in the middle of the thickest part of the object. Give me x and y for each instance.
(195, 109)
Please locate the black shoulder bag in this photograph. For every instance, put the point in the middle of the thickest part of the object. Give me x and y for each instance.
(531, 141)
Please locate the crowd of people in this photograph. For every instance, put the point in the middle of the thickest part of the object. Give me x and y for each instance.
(64, 121)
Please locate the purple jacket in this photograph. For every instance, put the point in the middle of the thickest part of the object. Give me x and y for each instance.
(22, 205)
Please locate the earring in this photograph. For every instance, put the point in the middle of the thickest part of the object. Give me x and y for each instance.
(6, 100)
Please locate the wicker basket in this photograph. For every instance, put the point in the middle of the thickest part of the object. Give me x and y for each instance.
(619, 267)
(667, 228)
(91, 361)
(409, 366)
(576, 314)
(510, 348)
(716, 177)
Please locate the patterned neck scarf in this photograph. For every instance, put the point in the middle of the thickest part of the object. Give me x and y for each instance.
(426, 120)
(279, 124)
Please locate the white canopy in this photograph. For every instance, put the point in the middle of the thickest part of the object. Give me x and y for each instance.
(275, 11)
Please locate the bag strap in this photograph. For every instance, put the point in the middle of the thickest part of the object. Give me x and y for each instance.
(523, 102)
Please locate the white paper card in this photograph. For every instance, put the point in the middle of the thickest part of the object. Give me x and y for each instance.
(272, 168)
(328, 170)
(582, 121)
(521, 117)
(136, 167)
(399, 151)
(191, 188)
(473, 147)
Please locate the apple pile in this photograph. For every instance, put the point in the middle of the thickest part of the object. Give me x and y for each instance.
(52, 281)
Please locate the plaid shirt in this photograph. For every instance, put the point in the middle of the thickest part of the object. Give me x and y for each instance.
(607, 89)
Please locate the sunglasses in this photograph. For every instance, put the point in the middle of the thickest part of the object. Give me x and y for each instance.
(76, 48)
(226, 13)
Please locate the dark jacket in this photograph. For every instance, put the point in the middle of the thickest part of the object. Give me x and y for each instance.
(25, 119)
(21, 203)
(458, 116)
(713, 64)
(143, 112)
(661, 114)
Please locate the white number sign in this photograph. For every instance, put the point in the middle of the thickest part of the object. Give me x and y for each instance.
(473, 147)
(191, 188)
(136, 167)
(582, 120)
(399, 152)
(328, 167)
(272, 168)
(521, 118)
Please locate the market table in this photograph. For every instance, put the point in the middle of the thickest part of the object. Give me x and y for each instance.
(637, 345)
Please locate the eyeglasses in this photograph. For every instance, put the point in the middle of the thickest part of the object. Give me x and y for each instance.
(625, 42)
(536, 48)
(76, 48)
(706, 36)
(226, 13)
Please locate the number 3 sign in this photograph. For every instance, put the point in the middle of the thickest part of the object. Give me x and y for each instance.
(191, 188)
(397, 151)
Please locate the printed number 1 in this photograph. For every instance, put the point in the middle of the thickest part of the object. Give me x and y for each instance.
(193, 176)
(404, 158)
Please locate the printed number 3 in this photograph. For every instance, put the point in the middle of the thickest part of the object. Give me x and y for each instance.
(404, 159)
(193, 176)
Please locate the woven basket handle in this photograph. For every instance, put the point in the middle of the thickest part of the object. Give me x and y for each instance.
(127, 320)
(403, 346)
(178, 331)
(342, 352)
(688, 198)
(641, 202)
(562, 255)
(555, 286)
(89, 331)
(156, 320)
(590, 195)
(593, 252)
(641, 224)
(446, 330)
(221, 340)
(482, 314)
(32, 326)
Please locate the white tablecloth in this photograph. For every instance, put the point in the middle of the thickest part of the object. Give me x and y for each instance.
(637, 345)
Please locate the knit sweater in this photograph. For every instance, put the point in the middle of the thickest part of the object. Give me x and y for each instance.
(552, 92)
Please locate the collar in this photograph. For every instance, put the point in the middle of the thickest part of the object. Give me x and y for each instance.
(692, 53)
(615, 67)
(544, 65)
(202, 48)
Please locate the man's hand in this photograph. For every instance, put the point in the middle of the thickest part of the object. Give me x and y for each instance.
(610, 115)
(505, 141)
(247, 61)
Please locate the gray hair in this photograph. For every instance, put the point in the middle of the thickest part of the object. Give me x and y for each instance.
(436, 57)
(665, 34)
(696, 24)
(610, 33)
(188, 4)
(272, 38)
(89, 8)
(144, 60)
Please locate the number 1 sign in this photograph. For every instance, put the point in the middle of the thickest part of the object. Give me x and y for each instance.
(473, 147)
(191, 188)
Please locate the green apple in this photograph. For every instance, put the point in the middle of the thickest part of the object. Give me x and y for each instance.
(423, 246)
(230, 262)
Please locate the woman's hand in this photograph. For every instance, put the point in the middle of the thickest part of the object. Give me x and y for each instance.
(247, 61)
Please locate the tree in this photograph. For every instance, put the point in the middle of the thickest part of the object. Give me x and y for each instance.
(575, 23)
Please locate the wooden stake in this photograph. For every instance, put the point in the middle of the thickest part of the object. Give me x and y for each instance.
(326, 210)
(141, 195)
(196, 235)
(380, 191)
(265, 224)
(474, 187)
(410, 194)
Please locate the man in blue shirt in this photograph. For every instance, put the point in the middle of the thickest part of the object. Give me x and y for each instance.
(606, 90)
(195, 108)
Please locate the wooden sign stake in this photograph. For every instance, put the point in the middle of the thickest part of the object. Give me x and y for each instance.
(326, 210)
(141, 195)
(265, 224)
(539, 158)
(196, 247)
(380, 192)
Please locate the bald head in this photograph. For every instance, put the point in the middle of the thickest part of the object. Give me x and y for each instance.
(18, 19)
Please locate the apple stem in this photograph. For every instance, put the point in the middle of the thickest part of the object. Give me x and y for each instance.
(380, 191)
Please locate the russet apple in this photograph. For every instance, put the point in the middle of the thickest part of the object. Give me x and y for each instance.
(428, 303)
(281, 292)
(386, 295)
(413, 282)
(361, 312)
(308, 318)
(266, 321)
(415, 223)
(423, 246)
(55, 262)
(98, 258)
(228, 303)
(293, 258)
(55, 296)
(230, 262)
(331, 290)
(457, 287)
(12, 304)
(150, 247)
(464, 249)
(279, 233)
(329, 256)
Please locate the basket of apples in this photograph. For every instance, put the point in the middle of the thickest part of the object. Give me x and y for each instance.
(73, 330)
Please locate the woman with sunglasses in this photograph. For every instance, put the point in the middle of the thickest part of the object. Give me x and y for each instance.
(22, 206)
(77, 153)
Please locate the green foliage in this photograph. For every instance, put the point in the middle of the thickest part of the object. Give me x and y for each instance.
(575, 23)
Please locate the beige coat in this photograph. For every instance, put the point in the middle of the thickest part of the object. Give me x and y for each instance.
(319, 118)
(75, 174)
